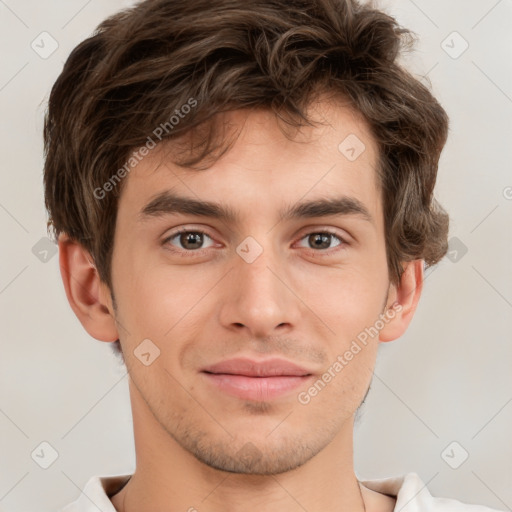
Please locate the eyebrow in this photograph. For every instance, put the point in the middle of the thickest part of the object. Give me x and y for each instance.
(167, 203)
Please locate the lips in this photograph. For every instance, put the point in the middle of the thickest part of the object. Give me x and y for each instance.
(250, 368)
(256, 380)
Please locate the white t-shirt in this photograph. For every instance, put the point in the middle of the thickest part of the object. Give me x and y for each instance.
(410, 492)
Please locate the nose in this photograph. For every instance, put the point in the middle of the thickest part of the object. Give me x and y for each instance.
(259, 296)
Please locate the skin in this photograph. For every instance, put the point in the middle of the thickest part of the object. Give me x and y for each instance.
(294, 301)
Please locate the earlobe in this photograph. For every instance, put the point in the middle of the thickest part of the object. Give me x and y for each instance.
(404, 301)
(84, 290)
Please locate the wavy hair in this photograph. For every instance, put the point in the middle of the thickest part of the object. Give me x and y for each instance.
(144, 63)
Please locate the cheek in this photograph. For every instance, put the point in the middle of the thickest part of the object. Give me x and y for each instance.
(150, 300)
(166, 306)
(159, 306)
(339, 391)
(349, 299)
(350, 304)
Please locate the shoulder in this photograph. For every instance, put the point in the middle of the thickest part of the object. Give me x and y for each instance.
(412, 495)
(95, 496)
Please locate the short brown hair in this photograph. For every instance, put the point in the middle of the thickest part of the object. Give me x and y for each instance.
(142, 65)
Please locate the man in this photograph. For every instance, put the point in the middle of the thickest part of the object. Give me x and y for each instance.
(242, 194)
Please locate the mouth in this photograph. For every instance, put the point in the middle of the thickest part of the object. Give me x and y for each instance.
(256, 380)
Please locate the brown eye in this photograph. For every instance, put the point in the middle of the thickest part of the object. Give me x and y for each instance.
(191, 240)
(322, 240)
(187, 240)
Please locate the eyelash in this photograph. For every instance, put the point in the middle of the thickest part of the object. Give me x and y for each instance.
(201, 252)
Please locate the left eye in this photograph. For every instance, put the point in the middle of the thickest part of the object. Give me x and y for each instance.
(321, 240)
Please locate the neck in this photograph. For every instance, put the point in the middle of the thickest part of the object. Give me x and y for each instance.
(170, 479)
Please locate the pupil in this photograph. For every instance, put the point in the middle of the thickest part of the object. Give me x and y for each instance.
(320, 239)
(187, 238)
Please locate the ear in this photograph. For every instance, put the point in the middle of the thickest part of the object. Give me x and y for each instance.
(88, 297)
(402, 301)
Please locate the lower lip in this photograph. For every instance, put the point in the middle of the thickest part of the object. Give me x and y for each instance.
(256, 388)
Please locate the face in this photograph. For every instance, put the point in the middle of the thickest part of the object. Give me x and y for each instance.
(266, 280)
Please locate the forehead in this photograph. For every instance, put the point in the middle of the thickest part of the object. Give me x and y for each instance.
(267, 168)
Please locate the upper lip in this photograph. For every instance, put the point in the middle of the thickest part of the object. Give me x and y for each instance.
(252, 368)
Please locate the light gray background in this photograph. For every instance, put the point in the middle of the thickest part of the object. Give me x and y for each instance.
(447, 379)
